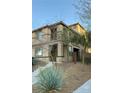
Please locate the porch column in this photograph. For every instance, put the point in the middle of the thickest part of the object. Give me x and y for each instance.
(46, 53)
(60, 52)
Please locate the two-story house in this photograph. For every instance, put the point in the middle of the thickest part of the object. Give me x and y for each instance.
(48, 44)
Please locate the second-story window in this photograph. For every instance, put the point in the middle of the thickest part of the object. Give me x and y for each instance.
(39, 35)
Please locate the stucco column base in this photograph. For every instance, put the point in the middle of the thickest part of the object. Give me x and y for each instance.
(59, 59)
(44, 59)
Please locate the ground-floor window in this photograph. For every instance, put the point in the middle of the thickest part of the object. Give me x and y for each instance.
(38, 52)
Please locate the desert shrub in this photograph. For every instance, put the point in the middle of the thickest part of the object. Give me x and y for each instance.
(50, 79)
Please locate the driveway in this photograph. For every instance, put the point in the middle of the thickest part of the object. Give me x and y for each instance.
(85, 88)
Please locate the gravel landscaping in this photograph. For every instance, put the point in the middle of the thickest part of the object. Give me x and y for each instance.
(75, 75)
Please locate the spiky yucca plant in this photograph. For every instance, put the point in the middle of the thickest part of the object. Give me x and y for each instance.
(50, 80)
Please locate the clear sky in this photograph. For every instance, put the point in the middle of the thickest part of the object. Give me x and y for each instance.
(50, 11)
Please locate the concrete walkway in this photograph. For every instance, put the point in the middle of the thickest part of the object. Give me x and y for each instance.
(85, 88)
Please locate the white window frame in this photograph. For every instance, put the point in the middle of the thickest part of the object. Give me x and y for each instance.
(39, 52)
(39, 35)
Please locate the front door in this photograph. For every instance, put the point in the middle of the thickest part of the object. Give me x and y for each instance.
(75, 57)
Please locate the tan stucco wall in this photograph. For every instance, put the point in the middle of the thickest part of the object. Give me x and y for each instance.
(46, 46)
(45, 50)
(47, 33)
(33, 52)
(33, 35)
(78, 28)
(46, 36)
(59, 27)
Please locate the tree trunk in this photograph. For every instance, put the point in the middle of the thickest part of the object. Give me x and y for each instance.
(67, 54)
(83, 56)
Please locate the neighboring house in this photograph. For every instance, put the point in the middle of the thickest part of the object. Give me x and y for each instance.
(47, 41)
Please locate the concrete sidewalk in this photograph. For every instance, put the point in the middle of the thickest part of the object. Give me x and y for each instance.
(85, 88)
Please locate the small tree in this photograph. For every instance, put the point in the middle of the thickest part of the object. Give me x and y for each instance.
(66, 39)
(72, 37)
(85, 44)
(83, 10)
